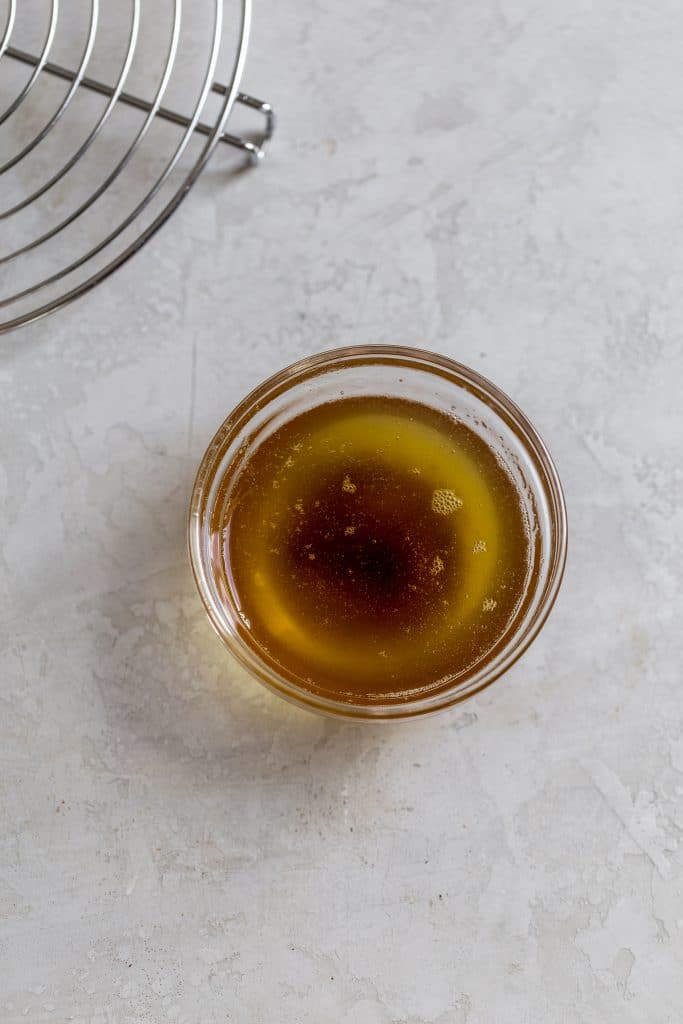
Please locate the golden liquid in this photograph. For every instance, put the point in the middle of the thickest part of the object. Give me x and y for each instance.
(375, 549)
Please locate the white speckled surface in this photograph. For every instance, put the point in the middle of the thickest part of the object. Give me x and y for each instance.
(497, 179)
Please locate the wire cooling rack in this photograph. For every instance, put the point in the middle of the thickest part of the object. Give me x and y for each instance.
(108, 115)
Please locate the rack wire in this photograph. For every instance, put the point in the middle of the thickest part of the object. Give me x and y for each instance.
(78, 202)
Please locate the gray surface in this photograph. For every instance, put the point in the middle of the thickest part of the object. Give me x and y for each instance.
(498, 180)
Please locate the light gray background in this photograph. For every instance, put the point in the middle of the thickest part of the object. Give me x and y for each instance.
(501, 180)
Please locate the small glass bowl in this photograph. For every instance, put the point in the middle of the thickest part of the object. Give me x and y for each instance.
(406, 373)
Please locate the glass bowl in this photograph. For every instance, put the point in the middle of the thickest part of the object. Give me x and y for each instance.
(424, 377)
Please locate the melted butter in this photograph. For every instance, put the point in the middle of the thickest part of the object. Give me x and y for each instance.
(375, 547)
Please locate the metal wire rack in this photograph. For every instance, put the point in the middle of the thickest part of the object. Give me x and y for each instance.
(77, 202)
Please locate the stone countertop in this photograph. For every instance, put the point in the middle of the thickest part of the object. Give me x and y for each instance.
(500, 180)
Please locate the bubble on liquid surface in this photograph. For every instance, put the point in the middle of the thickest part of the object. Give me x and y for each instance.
(489, 604)
(445, 501)
(479, 547)
(348, 486)
(437, 565)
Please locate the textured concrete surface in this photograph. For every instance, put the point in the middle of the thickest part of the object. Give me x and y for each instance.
(497, 179)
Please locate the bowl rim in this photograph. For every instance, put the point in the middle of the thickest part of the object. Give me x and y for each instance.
(460, 376)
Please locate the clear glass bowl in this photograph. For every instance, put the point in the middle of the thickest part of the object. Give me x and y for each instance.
(407, 373)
